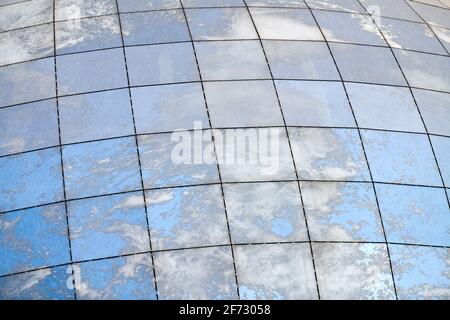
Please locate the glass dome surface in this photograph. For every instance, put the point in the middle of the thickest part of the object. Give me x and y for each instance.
(224, 149)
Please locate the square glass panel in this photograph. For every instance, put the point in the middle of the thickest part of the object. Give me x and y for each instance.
(74, 9)
(391, 9)
(128, 278)
(276, 272)
(33, 238)
(367, 64)
(158, 64)
(342, 211)
(414, 215)
(384, 107)
(100, 115)
(300, 60)
(187, 217)
(25, 14)
(401, 158)
(337, 5)
(26, 44)
(315, 103)
(432, 14)
(353, 271)
(221, 24)
(443, 35)
(30, 179)
(424, 70)
(254, 101)
(328, 154)
(265, 212)
(28, 127)
(91, 71)
(108, 226)
(17, 80)
(174, 160)
(212, 3)
(169, 107)
(260, 154)
(421, 272)
(435, 110)
(45, 284)
(441, 146)
(87, 34)
(285, 24)
(154, 27)
(102, 167)
(349, 27)
(277, 3)
(142, 5)
(231, 60)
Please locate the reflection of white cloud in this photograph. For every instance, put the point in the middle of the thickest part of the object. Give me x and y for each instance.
(33, 278)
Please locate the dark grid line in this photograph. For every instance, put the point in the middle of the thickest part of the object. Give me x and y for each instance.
(218, 246)
(429, 27)
(364, 151)
(215, 128)
(221, 40)
(155, 284)
(220, 80)
(215, 153)
(218, 183)
(290, 150)
(420, 113)
(61, 157)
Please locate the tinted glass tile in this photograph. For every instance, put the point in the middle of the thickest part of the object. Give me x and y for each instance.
(91, 71)
(221, 24)
(342, 211)
(212, 3)
(27, 127)
(200, 274)
(74, 9)
(168, 108)
(288, 24)
(425, 70)
(26, 44)
(128, 278)
(30, 179)
(108, 226)
(100, 115)
(300, 60)
(169, 160)
(435, 110)
(231, 60)
(383, 107)
(328, 154)
(277, 3)
(409, 35)
(338, 5)
(26, 14)
(414, 214)
(391, 9)
(158, 64)
(242, 160)
(421, 273)
(141, 5)
(294, 278)
(154, 27)
(46, 284)
(441, 147)
(367, 64)
(16, 82)
(349, 27)
(401, 158)
(310, 103)
(431, 14)
(443, 35)
(33, 239)
(265, 212)
(254, 101)
(103, 167)
(187, 217)
(87, 34)
(353, 271)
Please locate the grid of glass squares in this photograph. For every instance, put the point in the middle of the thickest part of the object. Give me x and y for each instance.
(91, 93)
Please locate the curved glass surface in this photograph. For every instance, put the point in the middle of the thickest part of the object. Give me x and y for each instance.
(224, 149)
